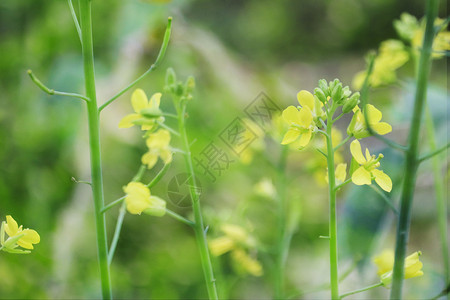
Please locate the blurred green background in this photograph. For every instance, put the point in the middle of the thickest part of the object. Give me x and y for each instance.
(236, 49)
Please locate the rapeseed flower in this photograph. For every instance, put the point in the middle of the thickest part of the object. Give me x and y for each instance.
(301, 125)
(18, 236)
(368, 168)
(358, 128)
(146, 113)
(158, 145)
(139, 199)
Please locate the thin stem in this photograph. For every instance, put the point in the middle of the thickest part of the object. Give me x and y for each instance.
(284, 234)
(170, 115)
(75, 19)
(434, 152)
(334, 277)
(385, 198)
(52, 91)
(338, 117)
(361, 290)
(441, 204)
(179, 218)
(343, 142)
(94, 145)
(158, 176)
(199, 228)
(412, 153)
(157, 62)
(173, 131)
(112, 204)
(321, 152)
(116, 236)
(343, 184)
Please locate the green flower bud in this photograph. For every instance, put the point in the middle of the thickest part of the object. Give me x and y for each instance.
(171, 77)
(151, 112)
(318, 92)
(323, 85)
(336, 93)
(189, 86)
(346, 92)
(333, 84)
(350, 103)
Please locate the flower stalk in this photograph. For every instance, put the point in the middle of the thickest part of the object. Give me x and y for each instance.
(412, 152)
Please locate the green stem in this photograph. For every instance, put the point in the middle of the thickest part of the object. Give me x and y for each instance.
(412, 152)
(115, 240)
(361, 290)
(284, 235)
(199, 228)
(158, 176)
(385, 198)
(343, 184)
(441, 204)
(158, 60)
(434, 151)
(179, 218)
(94, 145)
(112, 204)
(75, 19)
(343, 142)
(334, 279)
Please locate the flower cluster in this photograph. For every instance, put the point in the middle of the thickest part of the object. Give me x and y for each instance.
(138, 199)
(17, 236)
(237, 241)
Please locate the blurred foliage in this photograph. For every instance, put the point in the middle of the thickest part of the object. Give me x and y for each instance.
(235, 49)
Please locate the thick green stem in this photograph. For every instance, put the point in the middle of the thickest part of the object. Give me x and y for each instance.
(441, 204)
(284, 234)
(94, 143)
(334, 281)
(200, 232)
(412, 152)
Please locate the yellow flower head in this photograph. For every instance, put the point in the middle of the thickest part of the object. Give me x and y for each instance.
(301, 124)
(441, 42)
(141, 105)
(138, 200)
(247, 263)
(357, 126)
(158, 145)
(368, 168)
(18, 236)
(385, 264)
(305, 98)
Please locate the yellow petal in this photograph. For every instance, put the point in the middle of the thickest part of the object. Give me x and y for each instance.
(361, 176)
(166, 156)
(149, 159)
(250, 265)
(368, 154)
(31, 236)
(304, 139)
(305, 116)
(355, 149)
(139, 100)
(341, 172)
(291, 115)
(413, 266)
(159, 139)
(127, 121)
(382, 128)
(305, 98)
(290, 136)
(384, 261)
(11, 226)
(374, 115)
(137, 188)
(221, 245)
(155, 100)
(383, 180)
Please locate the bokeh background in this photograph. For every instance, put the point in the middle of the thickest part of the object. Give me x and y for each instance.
(236, 49)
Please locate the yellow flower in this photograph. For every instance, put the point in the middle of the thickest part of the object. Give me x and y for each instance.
(138, 200)
(385, 264)
(391, 56)
(140, 105)
(368, 168)
(357, 126)
(24, 238)
(236, 240)
(158, 144)
(300, 125)
(305, 98)
(441, 42)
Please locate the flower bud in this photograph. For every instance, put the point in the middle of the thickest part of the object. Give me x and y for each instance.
(323, 85)
(336, 93)
(332, 85)
(351, 103)
(171, 77)
(151, 112)
(318, 92)
(189, 86)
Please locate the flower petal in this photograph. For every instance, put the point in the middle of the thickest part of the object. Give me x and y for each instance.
(221, 245)
(149, 159)
(374, 115)
(341, 172)
(139, 100)
(155, 100)
(306, 117)
(127, 121)
(383, 180)
(304, 139)
(166, 156)
(11, 226)
(291, 115)
(384, 261)
(361, 176)
(382, 128)
(355, 149)
(305, 98)
(290, 136)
